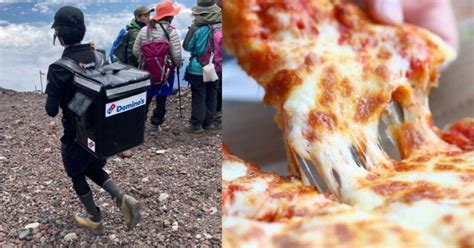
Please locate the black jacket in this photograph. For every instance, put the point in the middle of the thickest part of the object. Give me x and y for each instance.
(61, 88)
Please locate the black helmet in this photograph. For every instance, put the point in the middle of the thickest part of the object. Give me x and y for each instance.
(68, 16)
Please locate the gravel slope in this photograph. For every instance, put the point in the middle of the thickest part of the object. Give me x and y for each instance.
(174, 174)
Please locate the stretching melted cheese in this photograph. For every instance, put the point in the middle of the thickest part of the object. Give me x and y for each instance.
(332, 75)
(267, 210)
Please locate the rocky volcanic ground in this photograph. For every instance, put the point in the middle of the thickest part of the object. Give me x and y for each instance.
(175, 175)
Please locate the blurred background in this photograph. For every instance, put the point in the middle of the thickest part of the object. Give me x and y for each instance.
(250, 132)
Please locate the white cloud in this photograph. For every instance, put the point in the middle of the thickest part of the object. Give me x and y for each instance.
(42, 7)
(27, 48)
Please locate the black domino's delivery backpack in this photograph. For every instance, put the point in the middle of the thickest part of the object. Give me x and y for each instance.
(109, 105)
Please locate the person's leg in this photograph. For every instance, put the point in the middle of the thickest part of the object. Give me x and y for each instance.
(99, 176)
(148, 101)
(198, 101)
(160, 110)
(211, 101)
(84, 192)
(219, 94)
(129, 206)
(151, 92)
(75, 162)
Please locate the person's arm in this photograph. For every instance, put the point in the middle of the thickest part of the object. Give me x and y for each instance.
(55, 78)
(434, 15)
(189, 35)
(138, 43)
(192, 43)
(175, 47)
(132, 58)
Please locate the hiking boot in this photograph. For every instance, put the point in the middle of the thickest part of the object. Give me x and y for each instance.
(210, 127)
(194, 129)
(218, 117)
(86, 220)
(155, 128)
(130, 208)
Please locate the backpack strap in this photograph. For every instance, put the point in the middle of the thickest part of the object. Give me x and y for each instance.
(73, 67)
(211, 36)
(164, 30)
(99, 60)
(148, 33)
(69, 65)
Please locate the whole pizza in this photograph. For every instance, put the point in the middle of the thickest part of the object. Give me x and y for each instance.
(334, 75)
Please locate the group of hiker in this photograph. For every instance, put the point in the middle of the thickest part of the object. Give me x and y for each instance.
(148, 43)
(148, 37)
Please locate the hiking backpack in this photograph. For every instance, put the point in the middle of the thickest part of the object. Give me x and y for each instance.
(156, 57)
(119, 50)
(214, 46)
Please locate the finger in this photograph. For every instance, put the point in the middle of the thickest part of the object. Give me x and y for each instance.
(436, 16)
(385, 11)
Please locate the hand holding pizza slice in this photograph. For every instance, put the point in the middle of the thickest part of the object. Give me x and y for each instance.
(333, 75)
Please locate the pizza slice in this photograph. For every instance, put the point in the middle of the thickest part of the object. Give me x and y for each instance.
(266, 210)
(333, 76)
(460, 134)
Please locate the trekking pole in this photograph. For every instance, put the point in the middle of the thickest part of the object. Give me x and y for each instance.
(179, 95)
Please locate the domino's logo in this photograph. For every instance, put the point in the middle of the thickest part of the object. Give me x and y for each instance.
(111, 109)
(125, 104)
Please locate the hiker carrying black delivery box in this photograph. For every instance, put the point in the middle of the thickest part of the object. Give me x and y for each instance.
(70, 30)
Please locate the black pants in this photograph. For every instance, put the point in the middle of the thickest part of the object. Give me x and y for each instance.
(159, 112)
(219, 93)
(80, 164)
(204, 100)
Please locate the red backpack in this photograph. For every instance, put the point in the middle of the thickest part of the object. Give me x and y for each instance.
(156, 57)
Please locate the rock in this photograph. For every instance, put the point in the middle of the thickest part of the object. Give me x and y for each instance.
(198, 236)
(37, 236)
(163, 197)
(2, 158)
(9, 245)
(24, 234)
(47, 150)
(52, 123)
(160, 151)
(18, 122)
(43, 240)
(145, 180)
(175, 226)
(166, 223)
(70, 236)
(34, 227)
(113, 237)
(207, 236)
(126, 154)
(213, 210)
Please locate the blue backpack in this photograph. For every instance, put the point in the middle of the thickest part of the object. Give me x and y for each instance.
(118, 52)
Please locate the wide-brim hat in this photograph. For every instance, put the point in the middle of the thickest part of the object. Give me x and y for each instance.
(205, 7)
(165, 8)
